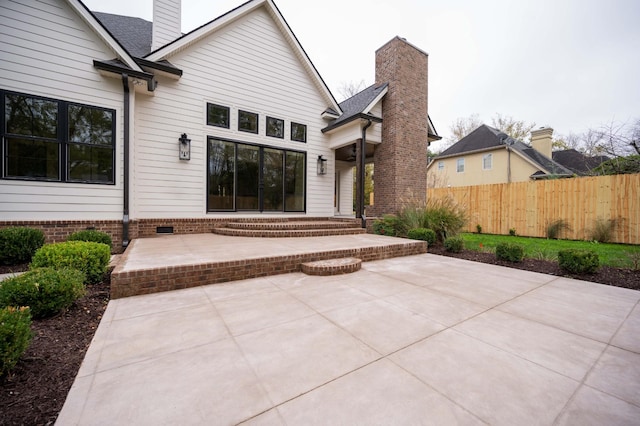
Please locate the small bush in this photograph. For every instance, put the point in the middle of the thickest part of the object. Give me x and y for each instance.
(46, 291)
(479, 228)
(389, 225)
(578, 261)
(423, 234)
(454, 244)
(15, 335)
(602, 231)
(90, 258)
(91, 235)
(510, 252)
(18, 244)
(555, 228)
(512, 232)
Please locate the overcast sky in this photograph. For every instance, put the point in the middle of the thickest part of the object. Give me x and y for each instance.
(567, 64)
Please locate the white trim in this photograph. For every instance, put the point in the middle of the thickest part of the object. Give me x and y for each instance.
(377, 99)
(97, 27)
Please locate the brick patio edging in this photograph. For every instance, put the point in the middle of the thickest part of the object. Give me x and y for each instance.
(153, 280)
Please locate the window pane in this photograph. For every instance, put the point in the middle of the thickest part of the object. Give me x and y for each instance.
(90, 125)
(460, 165)
(90, 163)
(32, 159)
(487, 161)
(248, 121)
(248, 176)
(298, 132)
(272, 175)
(217, 115)
(31, 116)
(294, 182)
(275, 127)
(221, 175)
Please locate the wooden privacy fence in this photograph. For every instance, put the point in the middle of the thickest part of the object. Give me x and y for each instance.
(529, 207)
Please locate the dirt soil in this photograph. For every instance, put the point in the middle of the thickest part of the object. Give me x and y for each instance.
(34, 392)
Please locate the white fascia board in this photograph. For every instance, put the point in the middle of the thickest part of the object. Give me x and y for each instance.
(375, 101)
(97, 27)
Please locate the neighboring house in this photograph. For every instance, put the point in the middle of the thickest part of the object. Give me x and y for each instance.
(487, 156)
(115, 123)
(577, 162)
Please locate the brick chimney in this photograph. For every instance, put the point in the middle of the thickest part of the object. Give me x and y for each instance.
(541, 140)
(400, 161)
(167, 16)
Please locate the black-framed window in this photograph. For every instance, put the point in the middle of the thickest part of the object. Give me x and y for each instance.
(218, 115)
(54, 140)
(298, 132)
(247, 121)
(275, 127)
(248, 177)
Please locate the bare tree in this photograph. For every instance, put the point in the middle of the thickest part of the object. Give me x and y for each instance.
(517, 129)
(348, 89)
(461, 128)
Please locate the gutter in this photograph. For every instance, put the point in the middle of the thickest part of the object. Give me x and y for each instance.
(363, 153)
(125, 179)
(369, 117)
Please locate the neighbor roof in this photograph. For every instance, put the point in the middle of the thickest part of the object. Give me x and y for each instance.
(486, 137)
(577, 161)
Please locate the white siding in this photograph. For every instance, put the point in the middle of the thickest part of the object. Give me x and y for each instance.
(247, 65)
(346, 187)
(46, 50)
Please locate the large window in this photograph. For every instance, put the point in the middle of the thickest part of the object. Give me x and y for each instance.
(47, 139)
(255, 178)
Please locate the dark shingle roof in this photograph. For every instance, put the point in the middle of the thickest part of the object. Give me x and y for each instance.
(358, 102)
(134, 34)
(486, 137)
(577, 161)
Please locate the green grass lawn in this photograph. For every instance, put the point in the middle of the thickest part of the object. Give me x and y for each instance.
(615, 255)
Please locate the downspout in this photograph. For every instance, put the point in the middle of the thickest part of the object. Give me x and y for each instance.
(125, 179)
(363, 152)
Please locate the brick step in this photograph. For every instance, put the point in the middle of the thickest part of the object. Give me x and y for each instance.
(301, 225)
(287, 233)
(343, 265)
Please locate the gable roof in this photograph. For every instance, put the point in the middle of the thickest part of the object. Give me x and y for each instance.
(577, 161)
(359, 105)
(486, 138)
(133, 33)
(186, 40)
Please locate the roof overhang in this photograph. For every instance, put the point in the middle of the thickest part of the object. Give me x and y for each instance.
(351, 119)
(115, 69)
(163, 68)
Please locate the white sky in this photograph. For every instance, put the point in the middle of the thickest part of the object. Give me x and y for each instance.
(567, 64)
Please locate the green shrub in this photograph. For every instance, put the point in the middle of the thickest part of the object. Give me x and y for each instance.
(510, 252)
(602, 231)
(454, 244)
(578, 261)
(18, 244)
(46, 291)
(512, 232)
(389, 225)
(15, 335)
(423, 234)
(479, 228)
(91, 235)
(90, 258)
(555, 228)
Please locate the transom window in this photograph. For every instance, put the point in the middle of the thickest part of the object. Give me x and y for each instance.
(247, 121)
(460, 165)
(298, 132)
(217, 115)
(48, 139)
(244, 177)
(487, 161)
(275, 127)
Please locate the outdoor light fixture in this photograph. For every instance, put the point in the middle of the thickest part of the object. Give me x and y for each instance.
(184, 148)
(322, 165)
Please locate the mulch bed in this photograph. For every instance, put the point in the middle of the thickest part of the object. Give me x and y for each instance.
(35, 390)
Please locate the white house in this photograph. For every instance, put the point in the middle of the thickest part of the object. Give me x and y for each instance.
(115, 123)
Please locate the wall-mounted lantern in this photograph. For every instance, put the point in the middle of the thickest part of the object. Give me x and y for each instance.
(184, 147)
(322, 165)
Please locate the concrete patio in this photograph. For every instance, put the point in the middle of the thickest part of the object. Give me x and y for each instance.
(422, 339)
